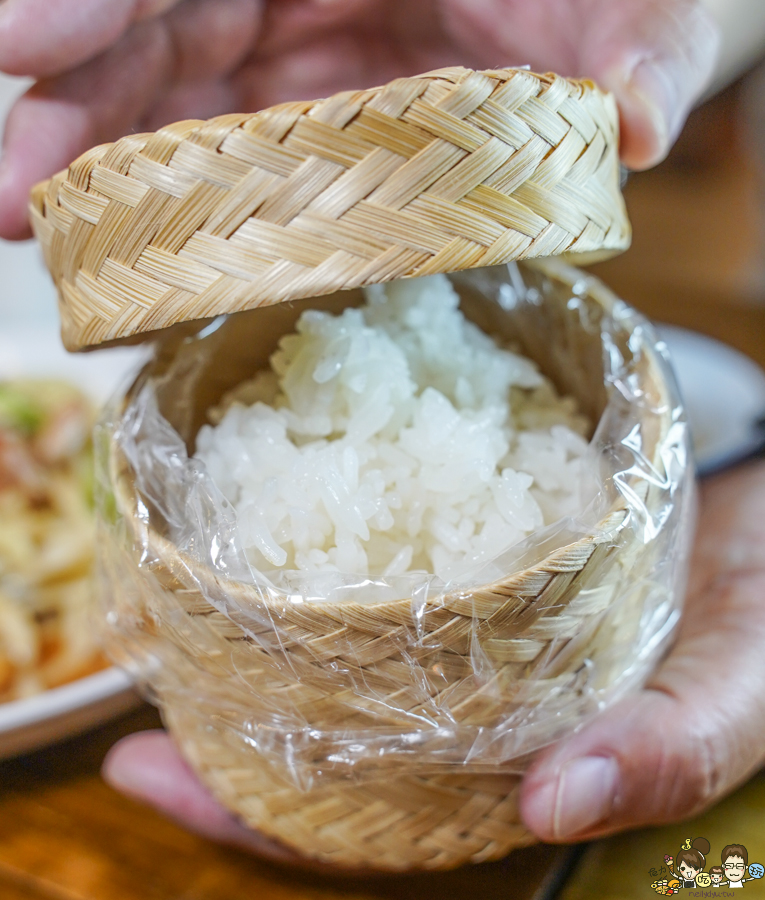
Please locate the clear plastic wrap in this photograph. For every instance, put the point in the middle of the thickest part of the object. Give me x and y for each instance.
(343, 678)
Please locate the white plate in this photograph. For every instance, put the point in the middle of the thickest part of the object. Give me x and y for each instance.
(724, 395)
(64, 711)
(36, 351)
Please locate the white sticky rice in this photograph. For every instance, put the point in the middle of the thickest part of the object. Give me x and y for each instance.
(394, 437)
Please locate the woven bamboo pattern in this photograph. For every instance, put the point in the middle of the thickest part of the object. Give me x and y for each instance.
(350, 665)
(393, 820)
(449, 170)
(431, 822)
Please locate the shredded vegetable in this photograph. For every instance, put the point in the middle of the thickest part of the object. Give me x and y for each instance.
(46, 537)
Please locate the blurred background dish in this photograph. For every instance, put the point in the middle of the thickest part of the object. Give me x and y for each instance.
(47, 537)
(45, 635)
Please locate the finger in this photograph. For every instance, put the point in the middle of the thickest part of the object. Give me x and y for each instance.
(59, 119)
(289, 26)
(44, 37)
(698, 730)
(101, 100)
(148, 9)
(731, 534)
(211, 37)
(343, 61)
(669, 752)
(308, 49)
(656, 56)
(147, 767)
(40, 137)
(338, 63)
(193, 101)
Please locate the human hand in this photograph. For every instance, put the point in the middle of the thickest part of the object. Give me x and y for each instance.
(691, 735)
(105, 67)
(697, 729)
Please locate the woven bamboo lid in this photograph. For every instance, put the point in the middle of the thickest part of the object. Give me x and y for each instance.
(441, 172)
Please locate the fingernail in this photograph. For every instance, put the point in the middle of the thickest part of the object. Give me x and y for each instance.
(117, 770)
(585, 795)
(654, 86)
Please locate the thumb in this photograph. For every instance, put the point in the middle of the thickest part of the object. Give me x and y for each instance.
(46, 37)
(656, 56)
(698, 729)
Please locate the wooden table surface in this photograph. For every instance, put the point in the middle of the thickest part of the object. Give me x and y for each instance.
(697, 261)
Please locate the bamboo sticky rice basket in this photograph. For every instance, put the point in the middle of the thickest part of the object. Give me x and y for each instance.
(375, 733)
(553, 631)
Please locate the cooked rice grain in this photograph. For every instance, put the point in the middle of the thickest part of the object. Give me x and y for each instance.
(391, 438)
